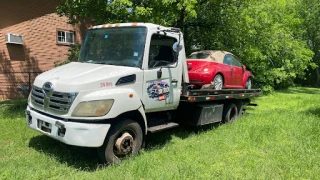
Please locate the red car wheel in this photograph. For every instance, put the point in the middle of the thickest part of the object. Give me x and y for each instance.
(217, 82)
(249, 84)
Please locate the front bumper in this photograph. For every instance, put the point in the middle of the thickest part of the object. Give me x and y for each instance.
(72, 133)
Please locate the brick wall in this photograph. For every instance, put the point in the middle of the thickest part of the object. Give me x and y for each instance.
(36, 21)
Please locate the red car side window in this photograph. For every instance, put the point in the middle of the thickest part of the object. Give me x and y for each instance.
(235, 62)
(227, 59)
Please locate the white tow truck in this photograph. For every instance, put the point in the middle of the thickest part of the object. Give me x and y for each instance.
(131, 79)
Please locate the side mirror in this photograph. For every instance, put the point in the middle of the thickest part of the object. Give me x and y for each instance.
(176, 47)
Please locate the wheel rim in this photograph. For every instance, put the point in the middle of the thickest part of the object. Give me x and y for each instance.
(233, 113)
(218, 82)
(124, 145)
(249, 84)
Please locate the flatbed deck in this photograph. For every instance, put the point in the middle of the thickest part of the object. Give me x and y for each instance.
(204, 95)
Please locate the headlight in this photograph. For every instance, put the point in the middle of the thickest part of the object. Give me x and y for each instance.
(205, 69)
(93, 108)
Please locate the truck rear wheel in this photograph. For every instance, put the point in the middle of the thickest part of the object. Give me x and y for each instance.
(230, 112)
(240, 108)
(124, 139)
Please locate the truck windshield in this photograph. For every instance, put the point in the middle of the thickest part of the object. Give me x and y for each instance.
(120, 46)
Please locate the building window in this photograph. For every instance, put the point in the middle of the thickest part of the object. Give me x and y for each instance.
(65, 37)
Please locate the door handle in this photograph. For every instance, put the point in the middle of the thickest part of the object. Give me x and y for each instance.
(174, 82)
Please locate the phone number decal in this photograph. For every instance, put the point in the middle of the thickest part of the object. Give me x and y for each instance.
(106, 84)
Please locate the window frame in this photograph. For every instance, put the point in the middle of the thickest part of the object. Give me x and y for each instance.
(174, 60)
(65, 37)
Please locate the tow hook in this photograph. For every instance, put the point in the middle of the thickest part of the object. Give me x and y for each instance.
(27, 112)
(61, 129)
(29, 118)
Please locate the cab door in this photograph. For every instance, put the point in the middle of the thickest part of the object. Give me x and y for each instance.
(161, 90)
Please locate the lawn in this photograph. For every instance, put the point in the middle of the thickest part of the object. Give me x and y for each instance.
(279, 139)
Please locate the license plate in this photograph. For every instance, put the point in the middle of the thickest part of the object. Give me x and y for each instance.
(44, 126)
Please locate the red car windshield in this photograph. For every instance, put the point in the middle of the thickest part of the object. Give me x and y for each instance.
(199, 56)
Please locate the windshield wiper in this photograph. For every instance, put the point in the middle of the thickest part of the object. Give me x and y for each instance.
(99, 62)
(94, 62)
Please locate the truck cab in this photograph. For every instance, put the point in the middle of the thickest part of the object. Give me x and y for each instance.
(130, 77)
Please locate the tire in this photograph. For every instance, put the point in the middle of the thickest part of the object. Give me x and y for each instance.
(230, 113)
(217, 82)
(127, 134)
(249, 83)
(240, 108)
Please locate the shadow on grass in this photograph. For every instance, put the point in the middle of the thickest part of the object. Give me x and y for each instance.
(159, 139)
(301, 90)
(86, 159)
(314, 111)
(80, 158)
(13, 108)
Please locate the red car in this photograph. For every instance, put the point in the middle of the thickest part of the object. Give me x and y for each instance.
(218, 70)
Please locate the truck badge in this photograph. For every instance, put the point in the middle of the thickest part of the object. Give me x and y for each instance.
(47, 88)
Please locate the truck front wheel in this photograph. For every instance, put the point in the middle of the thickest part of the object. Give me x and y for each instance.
(124, 139)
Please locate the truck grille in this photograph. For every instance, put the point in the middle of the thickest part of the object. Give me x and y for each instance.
(56, 102)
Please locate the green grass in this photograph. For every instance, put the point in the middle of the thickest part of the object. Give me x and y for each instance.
(279, 139)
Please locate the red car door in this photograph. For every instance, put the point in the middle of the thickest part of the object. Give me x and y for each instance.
(227, 70)
(237, 71)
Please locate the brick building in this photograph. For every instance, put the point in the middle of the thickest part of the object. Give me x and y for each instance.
(32, 38)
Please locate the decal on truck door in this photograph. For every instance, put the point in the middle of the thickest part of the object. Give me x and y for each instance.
(158, 90)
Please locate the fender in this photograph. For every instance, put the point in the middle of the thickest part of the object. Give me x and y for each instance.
(125, 100)
(215, 69)
(245, 77)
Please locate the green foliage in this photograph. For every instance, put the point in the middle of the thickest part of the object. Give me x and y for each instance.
(73, 55)
(165, 12)
(278, 39)
(262, 34)
(310, 12)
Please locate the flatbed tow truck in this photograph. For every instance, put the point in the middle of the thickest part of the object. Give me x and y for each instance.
(131, 79)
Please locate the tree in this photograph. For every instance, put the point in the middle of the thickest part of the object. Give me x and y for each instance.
(165, 12)
(310, 12)
(268, 35)
(271, 39)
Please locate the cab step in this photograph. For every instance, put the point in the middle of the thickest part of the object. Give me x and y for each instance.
(161, 127)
